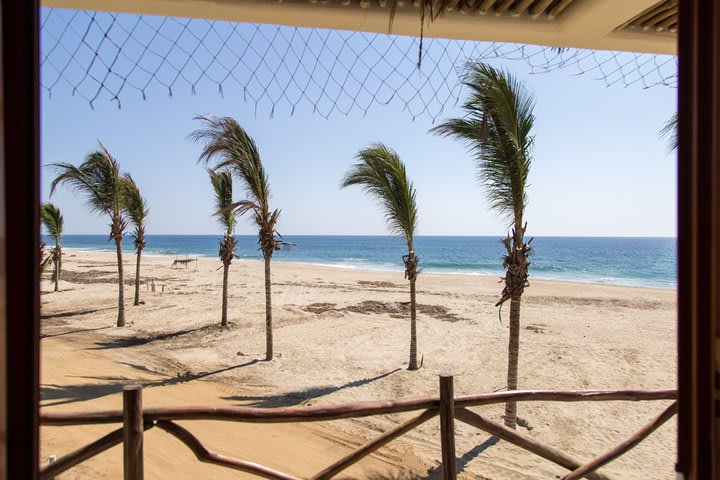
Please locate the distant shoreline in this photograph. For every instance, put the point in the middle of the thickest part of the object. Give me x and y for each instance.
(317, 235)
(128, 257)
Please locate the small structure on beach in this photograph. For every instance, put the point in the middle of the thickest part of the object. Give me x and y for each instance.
(184, 261)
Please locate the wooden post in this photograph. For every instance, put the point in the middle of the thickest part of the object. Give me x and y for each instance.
(52, 459)
(132, 432)
(698, 242)
(447, 427)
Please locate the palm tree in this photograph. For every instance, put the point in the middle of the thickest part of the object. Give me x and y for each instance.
(382, 175)
(497, 130)
(225, 140)
(137, 211)
(98, 179)
(52, 219)
(222, 185)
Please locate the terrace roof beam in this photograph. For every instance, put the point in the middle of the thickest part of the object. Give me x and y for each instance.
(590, 24)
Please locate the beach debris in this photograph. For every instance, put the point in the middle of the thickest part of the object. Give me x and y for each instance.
(537, 328)
(524, 423)
(92, 276)
(178, 262)
(320, 307)
(394, 309)
(380, 284)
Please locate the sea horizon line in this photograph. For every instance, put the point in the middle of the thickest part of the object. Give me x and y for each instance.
(379, 235)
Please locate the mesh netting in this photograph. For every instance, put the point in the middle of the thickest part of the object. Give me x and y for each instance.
(110, 57)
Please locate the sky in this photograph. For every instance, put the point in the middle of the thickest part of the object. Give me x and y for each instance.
(599, 167)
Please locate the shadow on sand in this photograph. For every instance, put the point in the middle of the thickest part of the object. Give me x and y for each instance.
(70, 332)
(137, 341)
(433, 474)
(109, 385)
(74, 313)
(466, 458)
(299, 396)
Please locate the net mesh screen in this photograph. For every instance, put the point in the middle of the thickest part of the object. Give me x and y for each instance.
(111, 57)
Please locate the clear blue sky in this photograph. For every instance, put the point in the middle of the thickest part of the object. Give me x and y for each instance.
(599, 167)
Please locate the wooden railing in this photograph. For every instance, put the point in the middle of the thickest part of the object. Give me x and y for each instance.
(136, 420)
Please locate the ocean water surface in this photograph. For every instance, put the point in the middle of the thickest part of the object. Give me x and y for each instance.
(612, 260)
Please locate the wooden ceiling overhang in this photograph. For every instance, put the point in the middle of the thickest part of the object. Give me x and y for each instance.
(646, 26)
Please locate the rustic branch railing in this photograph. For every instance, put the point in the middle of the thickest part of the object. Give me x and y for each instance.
(136, 419)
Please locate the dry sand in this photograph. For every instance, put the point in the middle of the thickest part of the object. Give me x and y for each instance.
(341, 335)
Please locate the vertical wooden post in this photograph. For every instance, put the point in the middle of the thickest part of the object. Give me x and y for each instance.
(19, 239)
(698, 248)
(447, 427)
(52, 459)
(132, 432)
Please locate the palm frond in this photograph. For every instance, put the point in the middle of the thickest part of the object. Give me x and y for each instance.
(136, 209)
(52, 220)
(380, 172)
(670, 131)
(497, 130)
(230, 146)
(97, 179)
(45, 257)
(134, 203)
(222, 186)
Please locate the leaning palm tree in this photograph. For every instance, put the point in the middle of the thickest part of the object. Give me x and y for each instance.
(137, 211)
(98, 179)
(497, 130)
(227, 142)
(52, 219)
(381, 174)
(222, 186)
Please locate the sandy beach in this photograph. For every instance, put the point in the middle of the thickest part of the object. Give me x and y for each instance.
(341, 335)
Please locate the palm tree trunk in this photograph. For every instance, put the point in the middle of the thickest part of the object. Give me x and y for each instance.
(226, 268)
(268, 312)
(57, 274)
(513, 353)
(137, 277)
(58, 245)
(413, 365)
(121, 284)
(56, 262)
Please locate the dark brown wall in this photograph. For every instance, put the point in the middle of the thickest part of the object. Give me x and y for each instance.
(698, 237)
(19, 214)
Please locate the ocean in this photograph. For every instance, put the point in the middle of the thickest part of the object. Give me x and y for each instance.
(649, 262)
